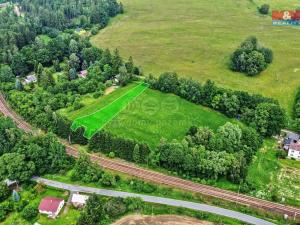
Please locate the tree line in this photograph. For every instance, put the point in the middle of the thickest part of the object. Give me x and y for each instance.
(127, 149)
(263, 114)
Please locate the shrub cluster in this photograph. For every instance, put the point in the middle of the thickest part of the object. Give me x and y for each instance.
(86, 171)
(250, 58)
(263, 114)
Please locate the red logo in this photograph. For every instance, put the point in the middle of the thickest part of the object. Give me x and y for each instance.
(286, 15)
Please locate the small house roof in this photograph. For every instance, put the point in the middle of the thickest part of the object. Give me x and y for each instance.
(30, 79)
(78, 198)
(9, 182)
(293, 136)
(295, 147)
(50, 204)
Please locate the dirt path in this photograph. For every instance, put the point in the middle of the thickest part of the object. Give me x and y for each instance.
(159, 220)
(110, 90)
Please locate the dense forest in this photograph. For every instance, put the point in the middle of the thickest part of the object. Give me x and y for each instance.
(22, 22)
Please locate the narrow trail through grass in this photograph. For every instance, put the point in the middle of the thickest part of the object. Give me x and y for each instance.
(97, 120)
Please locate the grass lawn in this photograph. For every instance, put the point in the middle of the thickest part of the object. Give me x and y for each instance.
(155, 115)
(97, 120)
(196, 37)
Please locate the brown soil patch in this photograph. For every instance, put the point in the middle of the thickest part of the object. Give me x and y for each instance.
(159, 220)
(110, 90)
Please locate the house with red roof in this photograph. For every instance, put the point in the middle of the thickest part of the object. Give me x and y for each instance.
(51, 206)
(294, 151)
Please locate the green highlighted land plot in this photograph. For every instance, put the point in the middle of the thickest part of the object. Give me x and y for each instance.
(97, 120)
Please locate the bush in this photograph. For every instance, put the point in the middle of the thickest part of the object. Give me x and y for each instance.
(21, 205)
(7, 207)
(98, 94)
(95, 30)
(108, 180)
(2, 215)
(115, 207)
(4, 191)
(29, 213)
(77, 105)
(281, 154)
(264, 9)
(141, 186)
(111, 155)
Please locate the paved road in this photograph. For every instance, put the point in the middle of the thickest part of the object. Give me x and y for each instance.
(155, 177)
(158, 200)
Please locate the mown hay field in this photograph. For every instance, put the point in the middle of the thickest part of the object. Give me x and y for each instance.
(196, 37)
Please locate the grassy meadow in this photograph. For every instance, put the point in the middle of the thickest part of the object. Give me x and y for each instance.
(196, 37)
(155, 115)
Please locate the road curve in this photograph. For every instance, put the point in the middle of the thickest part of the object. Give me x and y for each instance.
(160, 178)
(153, 199)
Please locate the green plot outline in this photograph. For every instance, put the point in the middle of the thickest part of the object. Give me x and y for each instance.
(123, 100)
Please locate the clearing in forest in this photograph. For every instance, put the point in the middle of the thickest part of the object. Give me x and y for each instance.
(97, 120)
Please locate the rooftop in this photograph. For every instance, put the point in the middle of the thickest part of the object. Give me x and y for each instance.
(77, 198)
(295, 147)
(50, 204)
(292, 136)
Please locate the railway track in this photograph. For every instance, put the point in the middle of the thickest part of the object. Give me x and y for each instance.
(160, 178)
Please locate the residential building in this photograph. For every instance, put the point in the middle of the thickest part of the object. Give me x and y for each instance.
(294, 151)
(30, 79)
(290, 138)
(51, 206)
(11, 184)
(79, 200)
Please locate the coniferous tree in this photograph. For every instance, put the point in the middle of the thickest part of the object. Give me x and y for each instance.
(19, 85)
(136, 155)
